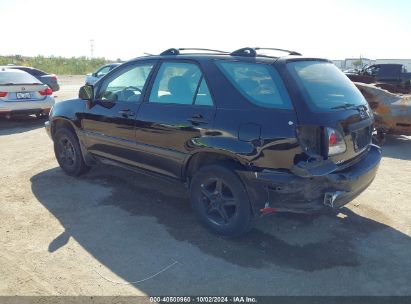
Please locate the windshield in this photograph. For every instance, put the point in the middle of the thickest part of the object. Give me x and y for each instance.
(325, 85)
(17, 77)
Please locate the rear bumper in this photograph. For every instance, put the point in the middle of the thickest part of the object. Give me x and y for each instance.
(285, 191)
(11, 113)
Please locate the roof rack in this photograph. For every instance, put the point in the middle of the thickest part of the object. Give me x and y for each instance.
(252, 52)
(174, 51)
(245, 52)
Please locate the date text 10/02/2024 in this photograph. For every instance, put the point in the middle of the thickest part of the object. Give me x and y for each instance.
(205, 299)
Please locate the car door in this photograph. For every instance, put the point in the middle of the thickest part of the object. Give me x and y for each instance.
(178, 110)
(109, 120)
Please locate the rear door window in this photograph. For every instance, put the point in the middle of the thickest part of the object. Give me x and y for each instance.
(259, 83)
(180, 83)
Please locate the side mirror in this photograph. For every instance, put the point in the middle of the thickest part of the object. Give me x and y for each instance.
(86, 92)
(94, 74)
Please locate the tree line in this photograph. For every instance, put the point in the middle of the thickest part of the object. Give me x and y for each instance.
(56, 65)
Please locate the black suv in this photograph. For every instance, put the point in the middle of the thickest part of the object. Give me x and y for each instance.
(247, 133)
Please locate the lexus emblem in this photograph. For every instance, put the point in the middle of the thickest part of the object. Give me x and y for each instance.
(23, 88)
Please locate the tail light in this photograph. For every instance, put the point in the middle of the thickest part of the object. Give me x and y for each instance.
(336, 143)
(3, 94)
(46, 92)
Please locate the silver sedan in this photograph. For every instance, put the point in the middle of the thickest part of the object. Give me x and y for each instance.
(23, 94)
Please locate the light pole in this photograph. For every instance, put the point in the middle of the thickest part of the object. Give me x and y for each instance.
(92, 48)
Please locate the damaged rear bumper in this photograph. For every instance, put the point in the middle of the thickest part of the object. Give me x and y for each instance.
(287, 192)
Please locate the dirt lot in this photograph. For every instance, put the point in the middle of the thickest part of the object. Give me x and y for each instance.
(91, 235)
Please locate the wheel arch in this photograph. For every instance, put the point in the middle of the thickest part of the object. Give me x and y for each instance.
(61, 122)
(202, 158)
(64, 122)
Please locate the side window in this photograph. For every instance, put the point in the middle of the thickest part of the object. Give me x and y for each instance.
(373, 70)
(180, 83)
(259, 83)
(103, 71)
(127, 85)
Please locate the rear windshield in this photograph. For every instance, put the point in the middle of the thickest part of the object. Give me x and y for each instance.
(16, 77)
(326, 87)
(259, 83)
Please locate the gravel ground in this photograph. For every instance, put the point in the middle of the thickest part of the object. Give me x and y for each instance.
(110, 231)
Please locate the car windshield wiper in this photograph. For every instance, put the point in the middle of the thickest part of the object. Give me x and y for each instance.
(345, 106)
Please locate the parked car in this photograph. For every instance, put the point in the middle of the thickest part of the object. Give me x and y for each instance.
(46, 78)
(392, 112)
(100, 72)
(23, 94)
(248, 134)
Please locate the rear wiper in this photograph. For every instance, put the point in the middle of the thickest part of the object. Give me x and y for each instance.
(345, 106)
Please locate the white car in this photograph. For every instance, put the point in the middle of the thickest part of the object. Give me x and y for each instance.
(23, 94)
(100, 72)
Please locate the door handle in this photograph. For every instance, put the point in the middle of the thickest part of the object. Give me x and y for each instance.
(197, 119)
(126, 113)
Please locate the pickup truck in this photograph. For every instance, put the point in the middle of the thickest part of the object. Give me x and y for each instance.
(392, 77)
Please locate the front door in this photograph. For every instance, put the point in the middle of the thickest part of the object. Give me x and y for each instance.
(109, 123)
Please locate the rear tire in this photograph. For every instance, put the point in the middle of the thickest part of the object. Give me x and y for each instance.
(68, 152)
(220, 201)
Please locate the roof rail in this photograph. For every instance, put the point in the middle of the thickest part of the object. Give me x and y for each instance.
(281, 50)
(252, 52)
(174, 51)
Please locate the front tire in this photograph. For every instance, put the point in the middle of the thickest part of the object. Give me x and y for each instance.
(220, 201)
(68, 152)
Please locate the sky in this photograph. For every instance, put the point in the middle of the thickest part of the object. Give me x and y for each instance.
(334, 29)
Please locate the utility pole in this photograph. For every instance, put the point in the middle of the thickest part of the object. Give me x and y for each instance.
(92, 48)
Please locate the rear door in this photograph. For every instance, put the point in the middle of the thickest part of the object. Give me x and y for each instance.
(178, 110)
(109, 121)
